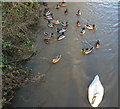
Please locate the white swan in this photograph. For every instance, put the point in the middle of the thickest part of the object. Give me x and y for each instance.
(95, 92)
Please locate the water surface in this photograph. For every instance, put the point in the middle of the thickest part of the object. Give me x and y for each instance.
(66, 82)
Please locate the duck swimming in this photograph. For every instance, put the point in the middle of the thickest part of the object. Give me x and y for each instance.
(82, 31)
(95, 92)
(65, 24)
(57, 58)
(61, 30)
(78, 13)
(78, 23)
(66, 11)
(87, 50)
(48, 17)
(62, 4)
(56, 21)
(90, 27)
(60, 37)
(51, 25)
(46, 41)
(48, 36)
(97, 45)
(57, 6)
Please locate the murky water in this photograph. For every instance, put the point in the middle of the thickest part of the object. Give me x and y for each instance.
(66, 82)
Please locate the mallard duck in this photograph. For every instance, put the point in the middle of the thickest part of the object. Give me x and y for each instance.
(62, 4)
(56, 21)
(48, 17)
(61, 30)
(78, 23)
(48, 13)
(97, 45)
(95, 92)
(57, 6)
(90, 27)
(46, 41)
(65, 24)
(78, 13)
(48, 36)
(51, 25)
(82, 31)
(45, 4)
(66, 11)
(60, 37)
(87, 50)
(57, 58)
(47, 9)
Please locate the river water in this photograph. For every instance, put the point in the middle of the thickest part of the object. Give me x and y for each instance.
(66, 83)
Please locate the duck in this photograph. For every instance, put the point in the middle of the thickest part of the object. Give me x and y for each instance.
(78, 23)
(65, 24)
(95, 92)
(56, 59)
(78, 13)
(48, 36)
(61, 30)
(57, 6)
(51, 25)
(66, 11)
(87, 50)
(82, 31)
(48, 13)
(47, 9)
(62, 4)
(45, 4)
(56, 21)
(97, 45)
(48, 17)
(46, 41)
(60, 37)
(90, 27)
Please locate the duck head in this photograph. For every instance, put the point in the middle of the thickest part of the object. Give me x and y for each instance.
(67, 22)
(52, 34)
(94, 26)
(78, 21)
(78, 11)
(83, 28)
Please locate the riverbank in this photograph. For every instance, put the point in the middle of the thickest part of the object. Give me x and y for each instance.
(18, 38)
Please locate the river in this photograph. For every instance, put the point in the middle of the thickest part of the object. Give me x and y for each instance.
(66, 83)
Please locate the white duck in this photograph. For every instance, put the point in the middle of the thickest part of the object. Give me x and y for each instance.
(95, 92)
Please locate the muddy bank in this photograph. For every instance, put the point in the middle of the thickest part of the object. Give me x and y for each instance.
(18, 45)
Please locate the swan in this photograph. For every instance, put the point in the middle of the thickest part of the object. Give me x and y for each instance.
(95, 92)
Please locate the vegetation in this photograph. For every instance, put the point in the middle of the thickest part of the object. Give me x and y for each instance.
(18, 19)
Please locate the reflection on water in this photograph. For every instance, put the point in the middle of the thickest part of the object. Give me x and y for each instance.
(67, 81)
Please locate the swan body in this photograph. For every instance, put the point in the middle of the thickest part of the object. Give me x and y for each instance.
(95, 92)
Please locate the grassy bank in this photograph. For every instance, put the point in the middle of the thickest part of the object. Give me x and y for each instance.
(18, 20)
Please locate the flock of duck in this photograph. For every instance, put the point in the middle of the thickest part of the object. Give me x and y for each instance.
(95, 90)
